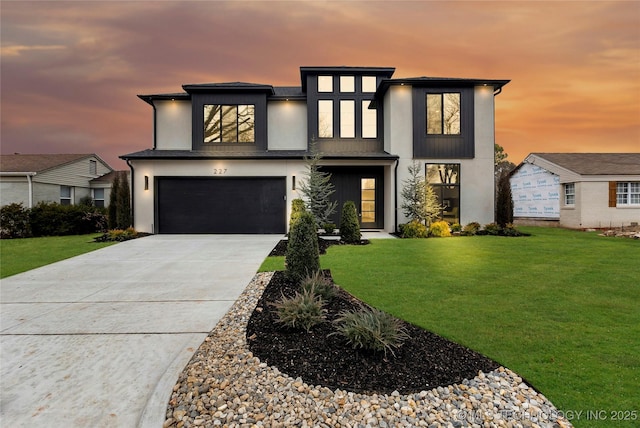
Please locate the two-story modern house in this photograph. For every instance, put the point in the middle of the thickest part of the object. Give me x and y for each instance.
(229, 157)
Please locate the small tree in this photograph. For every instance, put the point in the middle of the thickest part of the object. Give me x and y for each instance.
(317, 189)
(504, 201)
(113, 202)
(297, 208)
(420, 200)
(303, 255)
(349, 224)
(123, 213)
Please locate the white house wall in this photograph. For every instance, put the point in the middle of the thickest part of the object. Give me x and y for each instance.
(173, 125)
(592, 208)
(287, 125)
(14, 190)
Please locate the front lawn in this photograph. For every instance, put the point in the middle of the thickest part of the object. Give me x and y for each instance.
(561, 308)
(21, 255)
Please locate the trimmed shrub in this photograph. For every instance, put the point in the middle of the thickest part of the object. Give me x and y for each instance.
(439, 229)
(303, 255)
(297, 208)
(471, 229)
(319, 285)
(14, 221)
(304, 310)
(413, 229)
(349, 224)
(492, 229)
(329, 228)
(371, 329)
(456, 227)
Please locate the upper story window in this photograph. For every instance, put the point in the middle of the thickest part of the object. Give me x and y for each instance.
(369, 121)
(229, 123)
(325, 119)
(570, 194)
(347, 84)
(347, 118)
(628, 193)
(325, 83)
(443, 114)
(369, 84)
(93, 167)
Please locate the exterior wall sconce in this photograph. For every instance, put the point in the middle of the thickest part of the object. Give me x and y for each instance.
(293, 182)
(146, 182)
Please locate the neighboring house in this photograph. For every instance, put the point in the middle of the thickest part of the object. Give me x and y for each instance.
(62, 178)
(577, 190)
(229, 157)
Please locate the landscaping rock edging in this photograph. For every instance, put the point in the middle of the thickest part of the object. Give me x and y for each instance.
(225, 385)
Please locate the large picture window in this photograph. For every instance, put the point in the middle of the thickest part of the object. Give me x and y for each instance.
(445, 181)
(443, 114)
(229, 123)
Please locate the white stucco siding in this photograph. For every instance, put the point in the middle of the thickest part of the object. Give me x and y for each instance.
(144, 199)
(476, 191)
(398, 121)
(287, 125)
(173, 125)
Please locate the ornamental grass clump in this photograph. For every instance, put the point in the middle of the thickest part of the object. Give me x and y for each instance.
(320, 285)
(302, 311)
(371, 329)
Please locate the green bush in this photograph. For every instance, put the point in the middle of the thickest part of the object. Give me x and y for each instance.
(456, 227)
(320, 285)
(371, 329)
(119, 235)
(297, 208)
(349, 224)
(439, 229)
(304, 310)
(413, 229)
(329, 228)
(14, 221)
(471, 229)
(303, 255)
(53, 219)
(492, 229)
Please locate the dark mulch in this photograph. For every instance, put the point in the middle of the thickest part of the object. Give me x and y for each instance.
(281, 247)
(424, 361)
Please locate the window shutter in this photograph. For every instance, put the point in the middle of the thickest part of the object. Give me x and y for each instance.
(612, 193)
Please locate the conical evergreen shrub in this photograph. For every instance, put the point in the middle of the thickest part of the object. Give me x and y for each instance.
(303, 255)
(349, 224)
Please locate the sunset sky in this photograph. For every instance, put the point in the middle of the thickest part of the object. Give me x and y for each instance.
(71, 71)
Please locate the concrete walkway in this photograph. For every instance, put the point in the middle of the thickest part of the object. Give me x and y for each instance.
(100, 339)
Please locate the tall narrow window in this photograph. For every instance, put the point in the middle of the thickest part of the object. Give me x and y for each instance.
(229, 123)
(443, 114)
(347, 119)
(570, 194)
(368, 200)
(445, 180)
(325, 119)
(325, 83)
(369, 121)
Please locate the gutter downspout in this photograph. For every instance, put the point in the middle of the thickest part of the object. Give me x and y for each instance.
(133, 218)
(155, 115)
(395, 196)
(29, 176)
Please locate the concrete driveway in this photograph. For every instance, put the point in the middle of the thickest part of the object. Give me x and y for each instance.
(100, 339)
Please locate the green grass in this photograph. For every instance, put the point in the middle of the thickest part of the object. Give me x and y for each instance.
(21, 255)
(560, 308)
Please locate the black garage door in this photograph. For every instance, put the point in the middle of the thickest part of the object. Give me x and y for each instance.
(220, 205)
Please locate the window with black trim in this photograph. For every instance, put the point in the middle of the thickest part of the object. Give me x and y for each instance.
(229, 123)
(444, 178)
(443, 114)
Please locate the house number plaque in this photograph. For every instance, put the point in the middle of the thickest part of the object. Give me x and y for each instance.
(219, 171)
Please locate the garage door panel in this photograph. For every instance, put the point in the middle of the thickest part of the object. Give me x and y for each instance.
(220, 205)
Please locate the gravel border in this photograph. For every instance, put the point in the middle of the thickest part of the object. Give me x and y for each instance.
(225, 385)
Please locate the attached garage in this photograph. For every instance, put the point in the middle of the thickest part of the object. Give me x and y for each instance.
(220, 205)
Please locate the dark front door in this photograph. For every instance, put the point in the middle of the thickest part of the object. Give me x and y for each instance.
(221, 205)
(365, 187)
